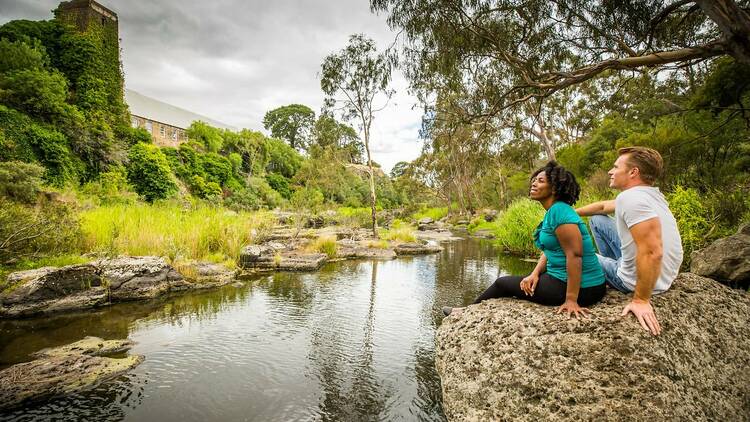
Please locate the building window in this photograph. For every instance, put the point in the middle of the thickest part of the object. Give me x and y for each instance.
(134, 122)
(162, 131)
(174, 134)
(149, 127)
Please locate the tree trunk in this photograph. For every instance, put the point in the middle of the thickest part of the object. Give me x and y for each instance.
(373, 199)
(733, 22)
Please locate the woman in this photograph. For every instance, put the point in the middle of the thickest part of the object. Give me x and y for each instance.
(567, 273)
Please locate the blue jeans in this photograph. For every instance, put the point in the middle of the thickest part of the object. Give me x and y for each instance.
(608, 242)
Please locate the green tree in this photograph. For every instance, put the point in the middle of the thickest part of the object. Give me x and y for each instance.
(292, 123)
(508, 52)
(330, 133)
(18, 55)
(206, 135)
(282, 158)
(399, 169)
(354, 77)
(149, 172)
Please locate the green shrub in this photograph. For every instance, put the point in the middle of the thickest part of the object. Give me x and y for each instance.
(20, 181)
(217, 168)
(202, 189)
(33, 232)
(149, 173)
(243, 200)
(324, 244)
(280, 184)
(693, 219)
(514, 227)
(260, 188)
(354, 217)
(111, 187)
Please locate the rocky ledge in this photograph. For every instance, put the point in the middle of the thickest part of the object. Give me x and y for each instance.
(83, 286)
(64, 370)
(507, 359)
(293, 255)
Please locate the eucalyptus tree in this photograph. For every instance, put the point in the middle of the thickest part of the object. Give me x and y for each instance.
(509, 52)
(292, 123)
(355, 81)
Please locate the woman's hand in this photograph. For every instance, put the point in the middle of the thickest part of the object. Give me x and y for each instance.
(572, 307)
(528, 284)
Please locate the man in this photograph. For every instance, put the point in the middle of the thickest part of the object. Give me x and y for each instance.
(640, 250)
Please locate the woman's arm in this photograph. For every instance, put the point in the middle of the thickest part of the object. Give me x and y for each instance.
(571, 242)
(528, 283)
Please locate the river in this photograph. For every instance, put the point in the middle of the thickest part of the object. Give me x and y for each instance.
(352, 342)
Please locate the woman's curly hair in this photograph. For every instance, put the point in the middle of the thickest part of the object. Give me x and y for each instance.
(563, 182)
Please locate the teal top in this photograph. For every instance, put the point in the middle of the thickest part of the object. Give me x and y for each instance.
(546, 240)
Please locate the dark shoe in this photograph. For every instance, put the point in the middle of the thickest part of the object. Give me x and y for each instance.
(447, 310)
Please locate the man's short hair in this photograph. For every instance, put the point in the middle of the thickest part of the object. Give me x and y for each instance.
(648, 161)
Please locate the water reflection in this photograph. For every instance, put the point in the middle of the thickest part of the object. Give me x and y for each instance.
(352, 342)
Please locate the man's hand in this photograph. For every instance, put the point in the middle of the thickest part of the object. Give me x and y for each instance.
(645, 315)
(528, 284)
(572, 307)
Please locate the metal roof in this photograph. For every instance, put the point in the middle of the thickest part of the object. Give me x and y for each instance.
(149, 108)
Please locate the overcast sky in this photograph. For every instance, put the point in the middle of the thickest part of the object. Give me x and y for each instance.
(234, 60)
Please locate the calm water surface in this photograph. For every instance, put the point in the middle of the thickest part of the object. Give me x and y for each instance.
(352, 342)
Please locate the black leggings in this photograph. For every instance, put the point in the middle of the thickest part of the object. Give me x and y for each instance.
(549, 291)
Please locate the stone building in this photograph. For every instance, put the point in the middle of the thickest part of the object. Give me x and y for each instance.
(166, 123)
(87, 15)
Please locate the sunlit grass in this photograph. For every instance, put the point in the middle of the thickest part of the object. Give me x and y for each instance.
(324, 244)
(433, 213)
(399, 232)
(202, 233)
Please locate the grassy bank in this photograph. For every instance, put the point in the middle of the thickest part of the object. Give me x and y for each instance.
(202, 233)
(514, 227)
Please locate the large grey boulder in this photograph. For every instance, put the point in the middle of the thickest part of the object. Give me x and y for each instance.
(64, 370)
(52, 289)
(726, 260)
(139, 277)
(83, 286)
(507, 359)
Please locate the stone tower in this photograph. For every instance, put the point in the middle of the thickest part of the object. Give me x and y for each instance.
(88, 15)
(99, 25)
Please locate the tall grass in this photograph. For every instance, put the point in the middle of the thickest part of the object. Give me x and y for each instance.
(399, 231)
(514, 227)
(169, 230)
(324, 244)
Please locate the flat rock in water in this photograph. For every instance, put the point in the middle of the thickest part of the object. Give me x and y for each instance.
(203, 275)
(507, 359)
(64, 370)
(364, 252)
(287, 261)
(416, 249)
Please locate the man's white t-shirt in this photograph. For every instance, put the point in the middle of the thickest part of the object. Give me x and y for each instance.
(633, 206)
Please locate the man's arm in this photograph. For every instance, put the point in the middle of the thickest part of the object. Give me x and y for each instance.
(648, 243)
(597, 208)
